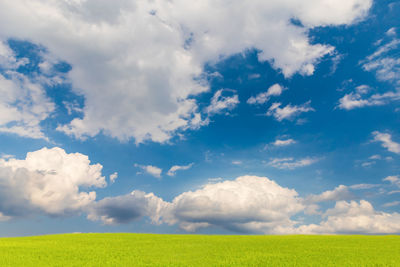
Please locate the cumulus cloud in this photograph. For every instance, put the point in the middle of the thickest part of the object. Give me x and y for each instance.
(48, 181)
(113, 177)
(291, 163)
(387, 142)
(150, 169)
(354, 218)
(143, 88)
(288, 112)
(220, 103)
(172, 171)
(274, 90)
(127, 208)
(248, 204)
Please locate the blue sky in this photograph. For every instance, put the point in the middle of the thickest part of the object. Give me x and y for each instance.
(256, 118)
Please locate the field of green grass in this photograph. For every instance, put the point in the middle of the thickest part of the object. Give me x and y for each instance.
(199, 250)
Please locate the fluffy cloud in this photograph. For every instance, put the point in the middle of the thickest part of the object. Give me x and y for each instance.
(150, 169)
(138, 63)
(172, 171)
(387, 142)
(113, 177)
(47, 181)
(244, 204)
(288, 112)
(23, 101)
(291, 163)
(248, 204)
(126, 208)
(354, 218)
(274, 90)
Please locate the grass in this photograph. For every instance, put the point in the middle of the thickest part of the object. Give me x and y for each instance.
(199, 250)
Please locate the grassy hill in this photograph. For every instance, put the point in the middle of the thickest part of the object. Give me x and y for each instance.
(199, 250)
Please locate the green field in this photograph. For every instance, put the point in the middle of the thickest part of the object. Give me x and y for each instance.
(199, 250)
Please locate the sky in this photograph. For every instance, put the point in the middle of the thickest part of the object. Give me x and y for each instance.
(210, 117)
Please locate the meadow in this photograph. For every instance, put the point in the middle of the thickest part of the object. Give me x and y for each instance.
(199, 250)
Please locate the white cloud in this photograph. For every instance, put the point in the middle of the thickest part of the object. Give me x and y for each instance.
(385, 63)
(291, 163)
(237, 162)
(274, 90)
(395, 180)
(391, 32)
(221, 103)
(391, 204)
(339, 193)
(23, 101)
(368, 164)
(48, 181)
(150, 169)
(172, 171)
(288, 112)
(356, 100)
(8, 59)
(72, 107)
(286, 142)
(363, 186)
(113, 177)
(142, 88)
(354, 218)
(387, 142)
(375, 157)
(247, 203)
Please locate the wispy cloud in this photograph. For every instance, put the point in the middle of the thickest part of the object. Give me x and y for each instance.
(387, 142)
(274, 90)
(172, 171)
(150, 169)
(283, 142)
(220, 103)
(385, 61)
(291, 163)
(288, 112)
